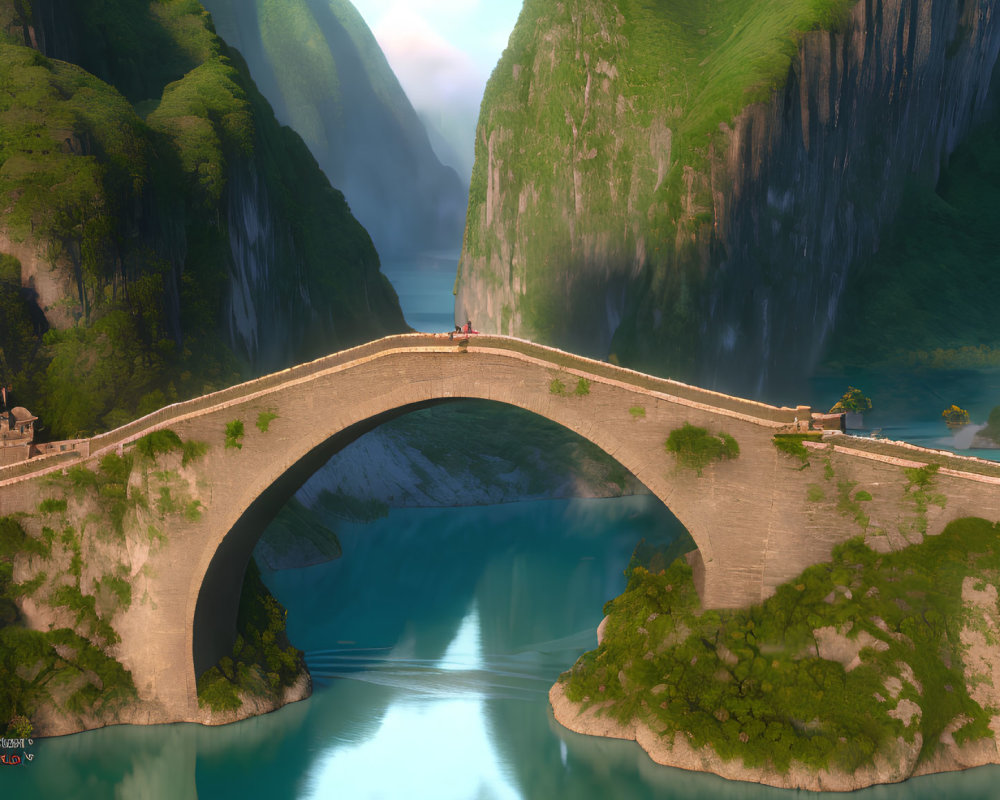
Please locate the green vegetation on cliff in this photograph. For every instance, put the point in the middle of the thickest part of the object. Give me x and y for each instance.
(927, 299)
(263, 663)
(150, 186)
(81, 561)
(56, 668)
(792, 444)
(594, 145)
(18, 331)
(320, 67)
(762, 685)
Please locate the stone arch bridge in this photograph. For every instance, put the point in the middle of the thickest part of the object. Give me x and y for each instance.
(757, 519)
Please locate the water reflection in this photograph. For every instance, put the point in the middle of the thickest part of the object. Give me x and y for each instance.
(151, 763)
(434, 650)
(460, 766)
(532, 573)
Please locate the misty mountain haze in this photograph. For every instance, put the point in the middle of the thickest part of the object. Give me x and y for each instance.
(319, 66)
(444, 130)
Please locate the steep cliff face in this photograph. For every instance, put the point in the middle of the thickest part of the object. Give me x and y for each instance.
(688, 189)
(320, 67)
(170, 231)
(944, 245)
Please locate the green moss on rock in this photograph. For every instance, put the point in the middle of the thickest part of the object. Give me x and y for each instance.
(751, 683)
(263, 663)
(59, 667)
(696, 448)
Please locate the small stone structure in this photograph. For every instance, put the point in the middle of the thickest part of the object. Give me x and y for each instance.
(17, 431)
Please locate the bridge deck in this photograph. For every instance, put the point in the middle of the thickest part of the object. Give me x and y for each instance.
(558, 359)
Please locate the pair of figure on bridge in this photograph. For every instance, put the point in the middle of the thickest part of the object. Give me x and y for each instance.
(463, 330)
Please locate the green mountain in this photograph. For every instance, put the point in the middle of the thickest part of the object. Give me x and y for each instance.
(688, 187)
(162, 234)
(318, 64)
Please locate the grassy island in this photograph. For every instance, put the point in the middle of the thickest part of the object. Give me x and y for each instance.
(836, 668)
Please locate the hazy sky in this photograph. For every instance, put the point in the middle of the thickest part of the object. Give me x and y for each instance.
(443, 51)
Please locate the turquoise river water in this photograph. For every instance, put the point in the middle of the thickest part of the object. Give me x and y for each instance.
(433, 642)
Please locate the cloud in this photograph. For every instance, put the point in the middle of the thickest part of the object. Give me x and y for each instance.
(442, 52)
(433, 72)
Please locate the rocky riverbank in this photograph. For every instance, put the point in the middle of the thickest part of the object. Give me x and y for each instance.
(825, 687)
(892, 767)
(678, 752)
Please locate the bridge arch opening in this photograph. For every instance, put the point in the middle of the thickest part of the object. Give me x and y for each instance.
(219, 595)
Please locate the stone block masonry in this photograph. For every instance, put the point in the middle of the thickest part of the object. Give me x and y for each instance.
(757, 519)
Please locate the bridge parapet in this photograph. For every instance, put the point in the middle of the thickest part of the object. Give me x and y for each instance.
(640, 380)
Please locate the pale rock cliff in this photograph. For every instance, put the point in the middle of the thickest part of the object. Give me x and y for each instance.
(612, 211)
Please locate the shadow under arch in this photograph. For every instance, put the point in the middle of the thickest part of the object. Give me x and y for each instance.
(219, 595)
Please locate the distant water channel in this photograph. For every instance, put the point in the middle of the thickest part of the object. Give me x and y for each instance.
(425, 283)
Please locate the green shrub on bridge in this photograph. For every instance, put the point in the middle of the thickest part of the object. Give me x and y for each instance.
(853, 401)
(264, 420)
(920, 483)
(792, 444)
(234, 434)
(166, 441)
(696, 448)
(158, 443)
(193, 450)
